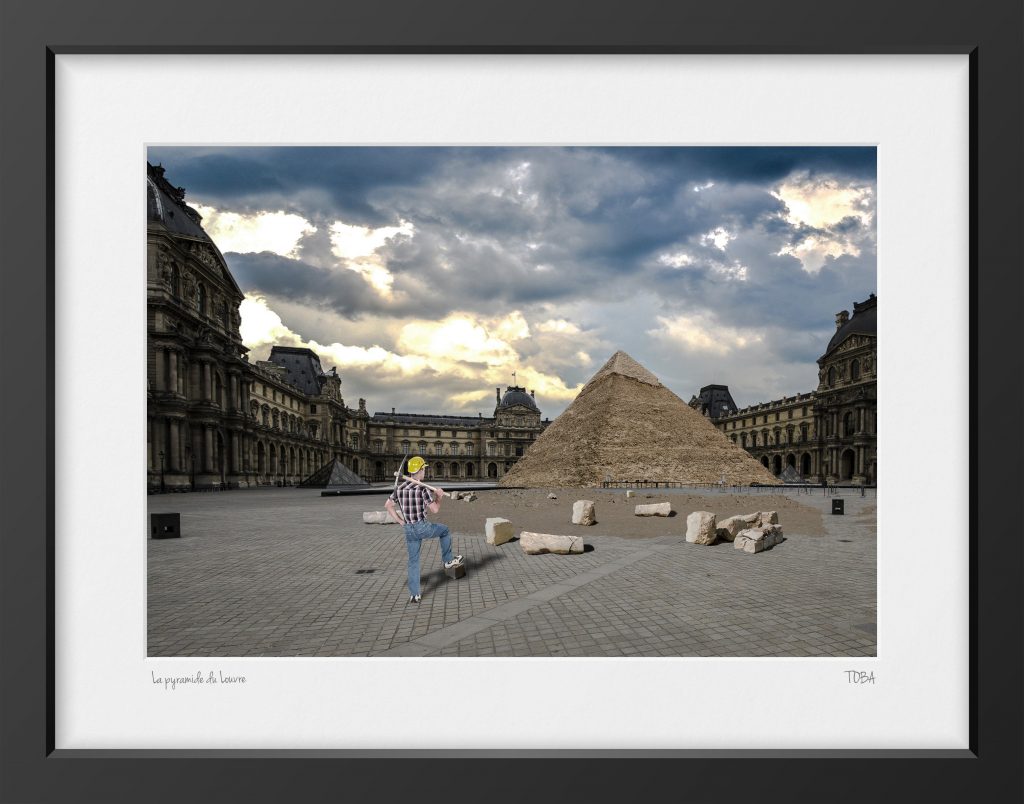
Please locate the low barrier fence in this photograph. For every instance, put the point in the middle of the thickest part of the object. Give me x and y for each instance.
(799, 488)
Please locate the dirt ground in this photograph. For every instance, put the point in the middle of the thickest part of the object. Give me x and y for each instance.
(530, 509)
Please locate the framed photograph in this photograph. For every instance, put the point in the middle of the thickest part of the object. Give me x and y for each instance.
(838, 173)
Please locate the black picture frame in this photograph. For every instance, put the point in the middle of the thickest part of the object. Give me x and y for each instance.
(34, 30)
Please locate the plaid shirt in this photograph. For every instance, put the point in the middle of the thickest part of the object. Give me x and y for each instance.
(412, 501)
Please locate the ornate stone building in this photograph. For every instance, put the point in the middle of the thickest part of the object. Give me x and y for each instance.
(198, 378)
(829, 433)
(458, 447)
(217, 421)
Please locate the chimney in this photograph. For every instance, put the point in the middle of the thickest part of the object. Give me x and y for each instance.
(497, 394)
(532, 395)
(392, 411)
(841, 318)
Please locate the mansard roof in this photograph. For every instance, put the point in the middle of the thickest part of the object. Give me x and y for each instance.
(864, 321)
(302, 367)
(165, 204)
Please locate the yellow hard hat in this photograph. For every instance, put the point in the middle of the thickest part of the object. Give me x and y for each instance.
(415, 464)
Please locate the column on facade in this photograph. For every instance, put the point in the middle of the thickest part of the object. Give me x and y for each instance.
(159, 384)
(172, 357)
(173, 454)
(233, 393)
(208, 450)
(207, 392)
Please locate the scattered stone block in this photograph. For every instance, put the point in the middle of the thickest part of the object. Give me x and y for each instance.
(468, 496)
(537, 543)
(748, 545)
(754, 540)
(630, 494)
(653, 509)
(728, 529)
(700, 528)
(377, 518)
(498, 530)
(552, 496)
(583, 512)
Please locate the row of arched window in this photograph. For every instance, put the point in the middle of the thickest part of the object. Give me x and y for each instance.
(438, 448)
(766, 438)
(854, 372)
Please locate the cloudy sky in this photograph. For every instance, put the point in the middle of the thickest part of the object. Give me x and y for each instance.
(429, 275)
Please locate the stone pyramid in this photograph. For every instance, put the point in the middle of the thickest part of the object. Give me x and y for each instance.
(333, 474)
(624, 425)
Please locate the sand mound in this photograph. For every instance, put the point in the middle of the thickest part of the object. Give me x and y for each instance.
(625, 425)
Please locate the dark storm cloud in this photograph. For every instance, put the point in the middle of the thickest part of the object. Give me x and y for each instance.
(246, 179)
(590, 224)
(338, 290)
(768, 164)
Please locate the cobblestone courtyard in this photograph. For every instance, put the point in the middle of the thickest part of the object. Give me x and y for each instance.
(286, 572)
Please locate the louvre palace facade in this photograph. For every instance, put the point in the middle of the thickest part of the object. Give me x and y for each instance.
(218, 421)
(828, 434)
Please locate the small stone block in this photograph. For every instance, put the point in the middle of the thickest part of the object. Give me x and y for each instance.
(498, 530)
(456, 572)
(583, 512)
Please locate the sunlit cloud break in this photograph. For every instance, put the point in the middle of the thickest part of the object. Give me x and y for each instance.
(822, 204)
(277, 232)
(461, 346)
(356, 247)
(702, 333)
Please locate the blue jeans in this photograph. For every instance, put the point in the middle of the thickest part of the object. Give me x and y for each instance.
(414, 536)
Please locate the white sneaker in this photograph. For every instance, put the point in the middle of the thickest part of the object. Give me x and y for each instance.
(455, 562)
(414, 599)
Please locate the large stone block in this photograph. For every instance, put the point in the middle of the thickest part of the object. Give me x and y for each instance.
(768, 518)
(754, 540)
(653, 509)
(748, 545)
(498, 530)
(583, 512)
(536, 543)
(700, 528)
(728, 529)
(630, 494)
(377, 518)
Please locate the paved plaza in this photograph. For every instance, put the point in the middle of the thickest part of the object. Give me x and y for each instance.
(286, 572)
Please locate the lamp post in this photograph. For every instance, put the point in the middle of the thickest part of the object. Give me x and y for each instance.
(161, 472)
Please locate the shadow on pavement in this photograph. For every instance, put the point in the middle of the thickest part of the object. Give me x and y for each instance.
(430, 582)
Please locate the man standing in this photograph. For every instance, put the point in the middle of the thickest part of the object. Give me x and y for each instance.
(412, 502)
